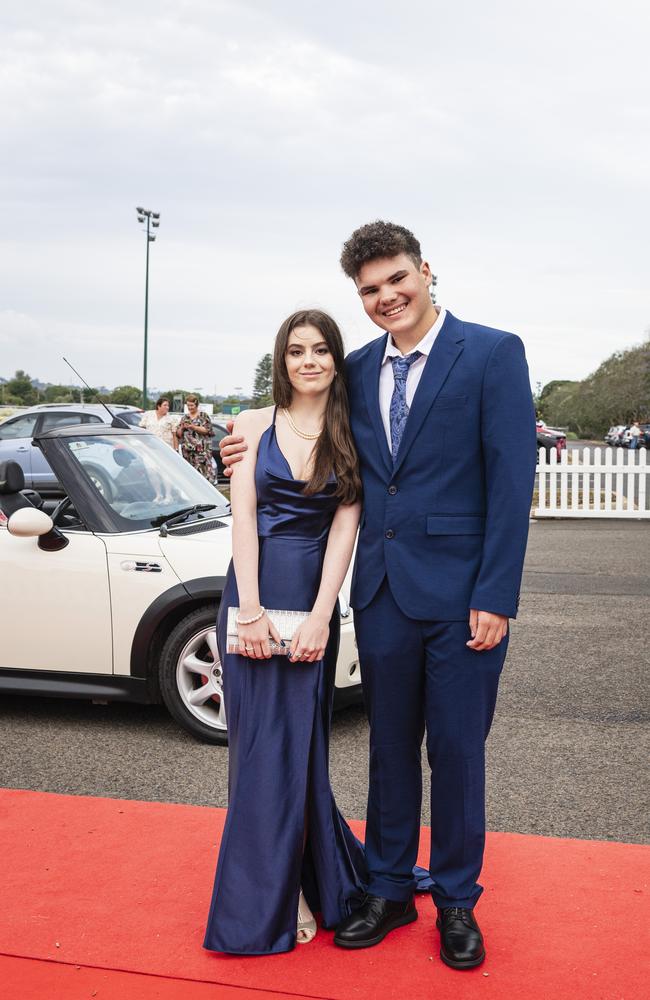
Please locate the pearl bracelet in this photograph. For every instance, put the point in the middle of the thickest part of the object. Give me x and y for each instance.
(251, 621)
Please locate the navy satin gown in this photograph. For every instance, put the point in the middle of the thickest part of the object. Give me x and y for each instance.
(278, 728)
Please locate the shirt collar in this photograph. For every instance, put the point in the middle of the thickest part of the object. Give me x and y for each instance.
(424, 346)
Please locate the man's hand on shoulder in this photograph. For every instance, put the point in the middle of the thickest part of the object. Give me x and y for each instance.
(487, 629)
(231, 448)
(248, 426)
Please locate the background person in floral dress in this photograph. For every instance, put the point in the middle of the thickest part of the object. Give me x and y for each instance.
(194, 433)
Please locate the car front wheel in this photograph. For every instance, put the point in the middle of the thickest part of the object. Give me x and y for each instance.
(100, 481)
(191, 677)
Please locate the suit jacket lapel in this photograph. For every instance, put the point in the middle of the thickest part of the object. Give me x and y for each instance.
(447, 347)
(370, 379)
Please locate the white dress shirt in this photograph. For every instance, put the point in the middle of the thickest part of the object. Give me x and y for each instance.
(386, 379)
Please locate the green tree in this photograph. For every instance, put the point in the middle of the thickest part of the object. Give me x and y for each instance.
(616, 393)
(126, 394)
(70, 394)
(263, 384)
(60, 394)
(170, 393)
(556, 403)
(19, 390)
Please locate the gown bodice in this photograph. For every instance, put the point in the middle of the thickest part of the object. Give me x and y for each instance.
(283, 510)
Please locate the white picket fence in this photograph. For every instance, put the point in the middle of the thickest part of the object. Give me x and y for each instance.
(607, 482)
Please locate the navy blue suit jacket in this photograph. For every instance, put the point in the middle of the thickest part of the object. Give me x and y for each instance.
(447, 523)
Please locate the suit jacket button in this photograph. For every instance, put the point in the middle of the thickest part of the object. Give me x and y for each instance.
(389, 534)
(392, 489)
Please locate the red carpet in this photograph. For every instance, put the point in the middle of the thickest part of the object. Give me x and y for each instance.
(30, 979)
(121, 889)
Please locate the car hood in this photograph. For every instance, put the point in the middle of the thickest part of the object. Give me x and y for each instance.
(208, 553)
(199, 552)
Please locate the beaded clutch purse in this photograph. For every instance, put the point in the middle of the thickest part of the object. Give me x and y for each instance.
(286, 622)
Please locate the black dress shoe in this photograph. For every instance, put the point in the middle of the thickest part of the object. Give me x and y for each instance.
(461, 941)
(372, 921)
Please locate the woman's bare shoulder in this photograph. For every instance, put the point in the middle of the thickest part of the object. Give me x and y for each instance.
(253, 422)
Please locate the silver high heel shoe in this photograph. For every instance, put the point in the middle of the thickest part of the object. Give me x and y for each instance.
(306, 928)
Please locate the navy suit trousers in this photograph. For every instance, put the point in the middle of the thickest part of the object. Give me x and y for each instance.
(420, 676)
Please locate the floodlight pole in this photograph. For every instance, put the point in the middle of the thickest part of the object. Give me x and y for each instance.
(145, 213)
(146, 323)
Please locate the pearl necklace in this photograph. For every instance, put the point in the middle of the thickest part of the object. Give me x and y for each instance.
(296, 430)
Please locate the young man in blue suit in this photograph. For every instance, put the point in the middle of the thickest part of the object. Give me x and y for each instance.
(444, 425)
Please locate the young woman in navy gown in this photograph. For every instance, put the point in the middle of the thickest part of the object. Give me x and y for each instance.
(286, 850)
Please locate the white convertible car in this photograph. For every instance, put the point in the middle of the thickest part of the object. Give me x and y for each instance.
(112, 592)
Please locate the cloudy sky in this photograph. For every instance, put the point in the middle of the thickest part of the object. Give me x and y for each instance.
(512, 137)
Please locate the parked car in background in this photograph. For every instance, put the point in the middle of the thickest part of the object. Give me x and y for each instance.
(113, 593)
(17, 435)
(550, 439)
(644, 437)
(614, 435)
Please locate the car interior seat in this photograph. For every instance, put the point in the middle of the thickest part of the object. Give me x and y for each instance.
(12, 483)
(14, 496)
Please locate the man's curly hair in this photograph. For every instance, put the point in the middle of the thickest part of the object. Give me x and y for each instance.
(375, 240)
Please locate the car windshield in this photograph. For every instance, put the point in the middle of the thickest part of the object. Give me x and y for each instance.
(141, 478)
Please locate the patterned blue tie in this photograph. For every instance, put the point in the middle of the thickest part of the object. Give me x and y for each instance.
(399, 411)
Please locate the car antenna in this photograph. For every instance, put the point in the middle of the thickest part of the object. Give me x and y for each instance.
(115, 420)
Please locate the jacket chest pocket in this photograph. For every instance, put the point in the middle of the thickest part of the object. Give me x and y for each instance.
(455, 524)
(449, 403)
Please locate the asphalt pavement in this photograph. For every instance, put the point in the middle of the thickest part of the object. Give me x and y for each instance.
(569, 749)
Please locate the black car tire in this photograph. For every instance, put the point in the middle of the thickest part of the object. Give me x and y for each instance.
(188, 642)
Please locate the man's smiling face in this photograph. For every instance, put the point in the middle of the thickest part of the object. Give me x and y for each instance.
(395, 294)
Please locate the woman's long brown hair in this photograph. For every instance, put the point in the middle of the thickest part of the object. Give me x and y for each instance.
(334, 451)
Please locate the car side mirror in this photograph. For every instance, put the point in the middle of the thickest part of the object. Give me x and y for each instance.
(28, 522)
(31, 523)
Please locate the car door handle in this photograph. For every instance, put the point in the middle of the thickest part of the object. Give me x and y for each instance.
(141, 567)
(22, 449)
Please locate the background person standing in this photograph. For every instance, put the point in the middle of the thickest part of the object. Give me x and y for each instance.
(635, 435)
(160, 423)
(194, 433)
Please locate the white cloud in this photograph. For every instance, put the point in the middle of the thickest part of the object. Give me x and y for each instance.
(512, 138)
